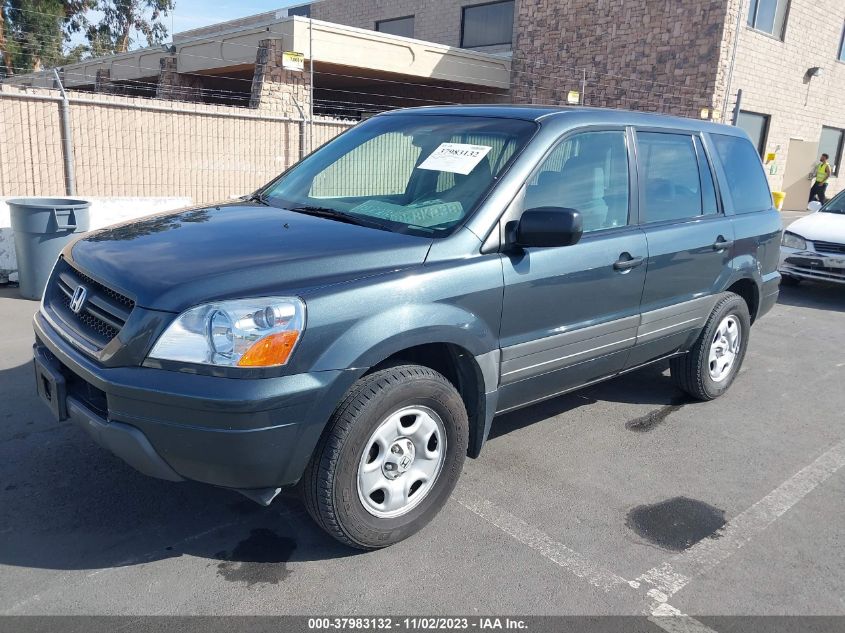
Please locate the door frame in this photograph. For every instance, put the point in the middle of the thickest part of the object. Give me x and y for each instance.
(701, 144)
(516, 208)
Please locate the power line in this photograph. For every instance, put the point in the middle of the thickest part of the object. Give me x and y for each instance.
(535, 63)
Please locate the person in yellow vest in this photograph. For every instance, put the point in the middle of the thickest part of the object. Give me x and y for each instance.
(820, 177)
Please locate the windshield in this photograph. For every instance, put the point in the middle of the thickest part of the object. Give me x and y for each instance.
(406, 173)
(837, 205)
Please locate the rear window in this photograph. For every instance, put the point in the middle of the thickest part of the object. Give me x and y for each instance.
(746, 181)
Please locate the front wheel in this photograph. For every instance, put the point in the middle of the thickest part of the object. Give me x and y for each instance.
(389, 459)
(711, 365)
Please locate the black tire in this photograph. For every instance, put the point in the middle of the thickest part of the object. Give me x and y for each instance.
(691, 372)
(788, 280)
(330, 483)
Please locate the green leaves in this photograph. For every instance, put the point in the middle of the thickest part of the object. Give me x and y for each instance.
(123, 18)
(34, 34)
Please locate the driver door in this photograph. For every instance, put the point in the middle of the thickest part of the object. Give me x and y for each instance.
(571, 313)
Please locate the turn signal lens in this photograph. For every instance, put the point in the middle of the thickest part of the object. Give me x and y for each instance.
(273, 349)
(259, 332)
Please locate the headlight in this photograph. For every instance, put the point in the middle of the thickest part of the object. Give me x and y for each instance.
(242, 333)
(792, 240)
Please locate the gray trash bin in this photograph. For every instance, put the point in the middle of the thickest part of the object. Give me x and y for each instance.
(42, 227)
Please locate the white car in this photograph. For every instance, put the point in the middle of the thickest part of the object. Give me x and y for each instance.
(814, 246)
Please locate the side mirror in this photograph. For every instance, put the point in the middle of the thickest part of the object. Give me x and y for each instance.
(546, 226)
(814, 206)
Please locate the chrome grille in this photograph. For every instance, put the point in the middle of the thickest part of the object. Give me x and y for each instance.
(103, 314)
(829, 247)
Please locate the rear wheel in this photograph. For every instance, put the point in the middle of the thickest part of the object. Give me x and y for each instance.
(712, 364)
(389, 458)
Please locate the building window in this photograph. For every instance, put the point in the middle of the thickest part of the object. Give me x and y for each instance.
(842, 46)
(830, 143)
(302, 11)
(757, 127)
(397, 26)
(488, 24)
(768, 16)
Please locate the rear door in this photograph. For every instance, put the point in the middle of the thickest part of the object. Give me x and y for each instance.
(570, 313)
(690, 240)
(757, 224)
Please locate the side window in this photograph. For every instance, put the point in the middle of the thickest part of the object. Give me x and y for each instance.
(587, 172)
(708, 187)
(745, 178)
(670, 178)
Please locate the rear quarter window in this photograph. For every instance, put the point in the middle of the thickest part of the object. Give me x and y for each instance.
(746, 181)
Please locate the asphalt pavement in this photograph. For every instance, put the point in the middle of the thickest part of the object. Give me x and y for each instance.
(623, 498)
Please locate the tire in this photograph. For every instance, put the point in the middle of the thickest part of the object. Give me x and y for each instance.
(788, 280)
(375, 409)
(695, 372)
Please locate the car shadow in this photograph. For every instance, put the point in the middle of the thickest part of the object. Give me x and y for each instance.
(649, 385)
(814, 295)
(66, 503)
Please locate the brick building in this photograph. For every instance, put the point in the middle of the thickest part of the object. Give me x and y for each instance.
(785, 57)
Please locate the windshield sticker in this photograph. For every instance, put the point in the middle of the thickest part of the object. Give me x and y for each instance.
(427, 214)
(457, 158)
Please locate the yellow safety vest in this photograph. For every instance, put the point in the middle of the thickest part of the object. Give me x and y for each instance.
(821, 172)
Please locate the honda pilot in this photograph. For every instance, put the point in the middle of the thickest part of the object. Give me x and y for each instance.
(354, 327)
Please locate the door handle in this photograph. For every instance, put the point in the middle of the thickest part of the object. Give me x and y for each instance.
(721, 244)
(627, 264)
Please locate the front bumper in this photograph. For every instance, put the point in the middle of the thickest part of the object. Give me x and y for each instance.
(230, 432)
(809, 264)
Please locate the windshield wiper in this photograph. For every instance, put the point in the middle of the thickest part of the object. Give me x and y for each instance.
(258, 197)
(340, 216)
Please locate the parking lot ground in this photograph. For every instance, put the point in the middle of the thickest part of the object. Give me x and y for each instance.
(590, 503)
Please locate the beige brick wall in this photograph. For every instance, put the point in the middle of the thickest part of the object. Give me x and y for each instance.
(434, 20)
(771, 74)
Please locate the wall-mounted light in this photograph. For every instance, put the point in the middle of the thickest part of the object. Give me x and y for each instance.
(815, 71)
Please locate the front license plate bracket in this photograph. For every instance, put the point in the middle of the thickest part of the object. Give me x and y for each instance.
(51, 385)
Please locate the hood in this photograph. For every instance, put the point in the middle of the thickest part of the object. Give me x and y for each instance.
(828, 227)
(176, 260)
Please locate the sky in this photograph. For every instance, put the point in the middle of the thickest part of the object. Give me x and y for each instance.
(192, 14)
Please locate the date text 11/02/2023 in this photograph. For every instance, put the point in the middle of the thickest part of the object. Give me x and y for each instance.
(416, 623)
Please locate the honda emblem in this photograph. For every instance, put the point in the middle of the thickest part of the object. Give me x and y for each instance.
(78, 299)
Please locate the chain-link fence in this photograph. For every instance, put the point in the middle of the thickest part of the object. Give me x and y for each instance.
(124, 146)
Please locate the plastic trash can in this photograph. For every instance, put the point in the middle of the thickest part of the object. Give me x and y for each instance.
(42, 228)
(778, 198)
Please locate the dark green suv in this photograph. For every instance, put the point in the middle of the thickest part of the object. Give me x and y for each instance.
(355, 325)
